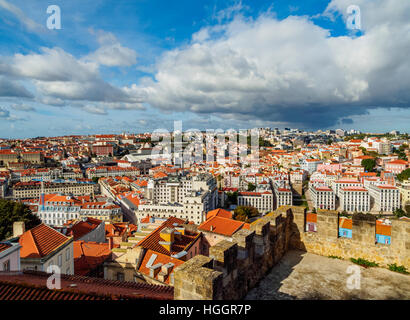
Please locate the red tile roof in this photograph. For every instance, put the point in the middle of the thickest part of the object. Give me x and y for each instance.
(40, 241)
(345, 223)
(89, 255)
(152, 240)
(223, 226)
(81, 228)
(219, 213)
(161, 258)
(31, 285)
(4, 246)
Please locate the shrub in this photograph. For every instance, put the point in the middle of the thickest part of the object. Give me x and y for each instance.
(335, 257)
(394, 267)
(364, 263)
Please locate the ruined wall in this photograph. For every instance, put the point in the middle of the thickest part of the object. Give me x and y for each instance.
(234, 267)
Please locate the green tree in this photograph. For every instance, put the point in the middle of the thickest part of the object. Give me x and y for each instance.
(244, 213)
(11, 212)
(251, 187)
(368, 164)
(400, 213)
(404, 175)
(95, 179)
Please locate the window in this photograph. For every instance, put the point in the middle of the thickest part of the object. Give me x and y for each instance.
(60, 260)
(6, 265)
(67, 254)
(120, 276)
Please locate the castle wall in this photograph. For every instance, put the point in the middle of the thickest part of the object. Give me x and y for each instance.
(234, 267)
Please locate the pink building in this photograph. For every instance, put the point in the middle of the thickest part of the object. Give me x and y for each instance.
(397, 166)
(329, 167)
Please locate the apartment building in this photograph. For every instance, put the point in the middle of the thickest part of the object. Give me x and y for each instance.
(263, 201)
(396, 166)
(283, 196)
(111, 171)
(57, 210)
(354, 199)
(193, 208)
(385, 198)
(25, 190)
(337, 185)
(405, 193)
(310, 165)
(323, 197)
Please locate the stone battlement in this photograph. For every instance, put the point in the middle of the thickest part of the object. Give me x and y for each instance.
(234, 267)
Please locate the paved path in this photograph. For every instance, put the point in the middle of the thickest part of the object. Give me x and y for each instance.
(301, 275)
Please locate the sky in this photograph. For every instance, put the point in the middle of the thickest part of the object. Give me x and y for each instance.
(138, 66)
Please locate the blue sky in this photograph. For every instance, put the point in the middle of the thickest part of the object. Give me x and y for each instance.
(136, 66)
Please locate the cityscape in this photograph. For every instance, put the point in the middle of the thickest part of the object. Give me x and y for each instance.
(294, 185)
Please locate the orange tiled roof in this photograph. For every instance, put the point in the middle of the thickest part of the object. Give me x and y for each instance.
(31, 285)
(4, 246)
(152, 240)
(161, 258)
(89, 255)
(220, 225)
(219, 213)
(345, 223)
(40, 241)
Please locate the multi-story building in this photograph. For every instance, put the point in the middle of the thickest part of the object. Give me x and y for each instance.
(310, 165)
(33, 189)
(283, 197)
(397, 166)
(263, 201)
(385, 198)
(354, 199)
(405, 193)
(8, 156)
(323, 197)
(337, 185)
(107, 171)
(57, 210)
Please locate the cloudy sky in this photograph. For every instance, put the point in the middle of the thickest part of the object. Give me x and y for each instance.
(136, 66)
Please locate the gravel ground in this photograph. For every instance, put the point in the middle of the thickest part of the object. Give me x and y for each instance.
(302, 275)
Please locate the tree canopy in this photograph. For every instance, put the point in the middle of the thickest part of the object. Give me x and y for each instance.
(404, 175)
(244, 213)
(368, 164)
(251, 187)
(11, 212)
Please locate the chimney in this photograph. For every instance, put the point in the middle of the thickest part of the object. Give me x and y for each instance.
(18, 228)
(110, 243)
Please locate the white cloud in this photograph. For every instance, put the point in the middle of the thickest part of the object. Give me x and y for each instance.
(111, 53)
(289, 70)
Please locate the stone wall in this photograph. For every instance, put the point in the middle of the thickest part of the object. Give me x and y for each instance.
(326, 241)
(234, 267)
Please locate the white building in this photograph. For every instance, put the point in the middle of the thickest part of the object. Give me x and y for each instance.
(263, 201)
(354, 199)
(323, 197)
(310, 165)
(385, 198)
